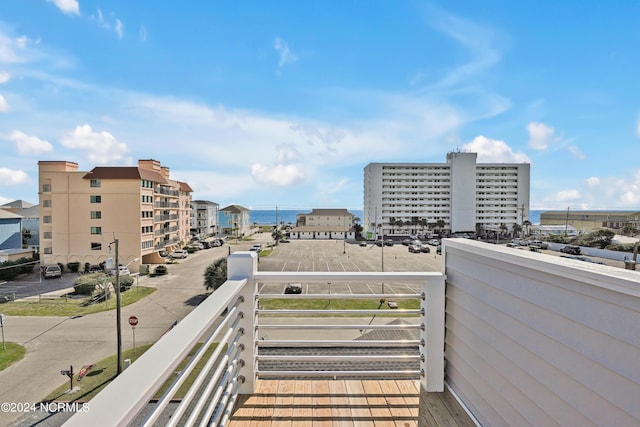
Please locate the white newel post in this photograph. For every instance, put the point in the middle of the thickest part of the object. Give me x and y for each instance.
(432, 352)
(243, 265)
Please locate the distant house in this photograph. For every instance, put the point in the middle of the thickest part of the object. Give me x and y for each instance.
(204, 218)
(324, 224)
(234, 221)
(10, 230)
(587, 221)
(30, 214)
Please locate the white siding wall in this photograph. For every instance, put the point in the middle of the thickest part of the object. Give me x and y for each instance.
(537, 340)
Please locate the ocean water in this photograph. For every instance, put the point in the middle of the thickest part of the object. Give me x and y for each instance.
(268, 217)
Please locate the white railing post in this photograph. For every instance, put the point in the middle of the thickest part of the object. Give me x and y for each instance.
(432, 352)
(244, 265)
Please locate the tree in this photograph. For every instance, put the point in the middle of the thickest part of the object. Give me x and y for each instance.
(517, 228)
(527, 224)
(215, 274)
(26, 236)
(440, 224)
(414, 223)
(392, 223)
(358, 229)
(503, 229)
(277, 235)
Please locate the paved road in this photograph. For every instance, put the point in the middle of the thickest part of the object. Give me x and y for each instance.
(55, 343)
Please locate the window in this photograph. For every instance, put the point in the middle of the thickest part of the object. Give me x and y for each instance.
(46, 203)
(146, 183)
(94, 183)
(46, 219)
(46, 188)
(96, 230)
(46, 235)
(96, 214)
(147, 199)
(96, 199)
(96, 246)
(48, 251)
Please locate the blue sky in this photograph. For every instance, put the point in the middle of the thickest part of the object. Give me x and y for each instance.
(284, 103)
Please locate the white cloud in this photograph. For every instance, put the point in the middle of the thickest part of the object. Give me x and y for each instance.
(100, 147)
(482, 42)
(540, 135)
(576, 152)
(494, 151)
(110, 22)
(278, 175)
(285, 54)
(567, 195)
(12, 177)
(4, 105)
(119, 28)
(142, 33)
(67, 6)
(28, 144)
(4, 77)
(593, 181)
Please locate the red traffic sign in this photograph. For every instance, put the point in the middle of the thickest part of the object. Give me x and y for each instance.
(133, 320)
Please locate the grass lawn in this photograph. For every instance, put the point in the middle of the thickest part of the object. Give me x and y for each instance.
(338, 304)
(104, 371)
(11, 354)
(71, 306)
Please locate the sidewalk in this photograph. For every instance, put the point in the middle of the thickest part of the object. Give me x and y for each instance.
(54, 343)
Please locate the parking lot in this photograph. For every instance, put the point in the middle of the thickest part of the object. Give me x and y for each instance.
(336, 255)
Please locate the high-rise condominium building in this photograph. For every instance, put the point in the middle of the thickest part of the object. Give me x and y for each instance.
(458, 196)
(82, 213)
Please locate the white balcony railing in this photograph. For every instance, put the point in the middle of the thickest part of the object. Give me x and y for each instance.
(232, 321)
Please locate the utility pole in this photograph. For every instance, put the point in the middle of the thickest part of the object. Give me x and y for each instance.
(118, 316)
(566, 223)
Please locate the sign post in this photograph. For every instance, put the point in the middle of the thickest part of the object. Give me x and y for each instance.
(133, 321)
(4, 346)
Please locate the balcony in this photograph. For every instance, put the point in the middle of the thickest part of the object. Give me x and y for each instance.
(166, 191)
(529, 339)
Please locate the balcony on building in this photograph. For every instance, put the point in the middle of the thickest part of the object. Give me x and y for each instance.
(501, 338)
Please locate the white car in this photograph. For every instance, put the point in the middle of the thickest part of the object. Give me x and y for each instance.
(179, 253)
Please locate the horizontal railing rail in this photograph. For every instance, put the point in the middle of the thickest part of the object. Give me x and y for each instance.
(221, 337)
(219, 321)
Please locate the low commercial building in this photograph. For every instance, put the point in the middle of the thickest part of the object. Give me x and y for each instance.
(585, 221)
(10, 230)
(324, 224)
(30, 214)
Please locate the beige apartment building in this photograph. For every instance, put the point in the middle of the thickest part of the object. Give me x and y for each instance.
(83, 213)
(324, 224)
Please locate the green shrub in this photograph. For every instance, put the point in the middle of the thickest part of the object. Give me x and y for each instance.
(161, 270)
(73, 266)
(125, 282)
(27, 265)
(87, 284)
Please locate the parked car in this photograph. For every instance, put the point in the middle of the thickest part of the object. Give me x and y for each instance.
(414, 249)
(179, 253)
(124, 271)
(439, 250)
(285, 241)
(293, 288)
(363, 244)
(433, 242)
(51, 271)
(539, 244)
(425, 249)
(256, 248)
(571, 250)
(407, 242)
(388, 242)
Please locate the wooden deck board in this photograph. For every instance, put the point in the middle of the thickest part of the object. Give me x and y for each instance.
(347, 403)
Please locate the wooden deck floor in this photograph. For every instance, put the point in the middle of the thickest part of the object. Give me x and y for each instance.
(374, 403)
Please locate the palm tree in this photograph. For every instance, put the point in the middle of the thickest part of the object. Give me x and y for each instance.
(440, 224)
(414, 223)
(392, 222)
(215, 274)
(527, 224)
